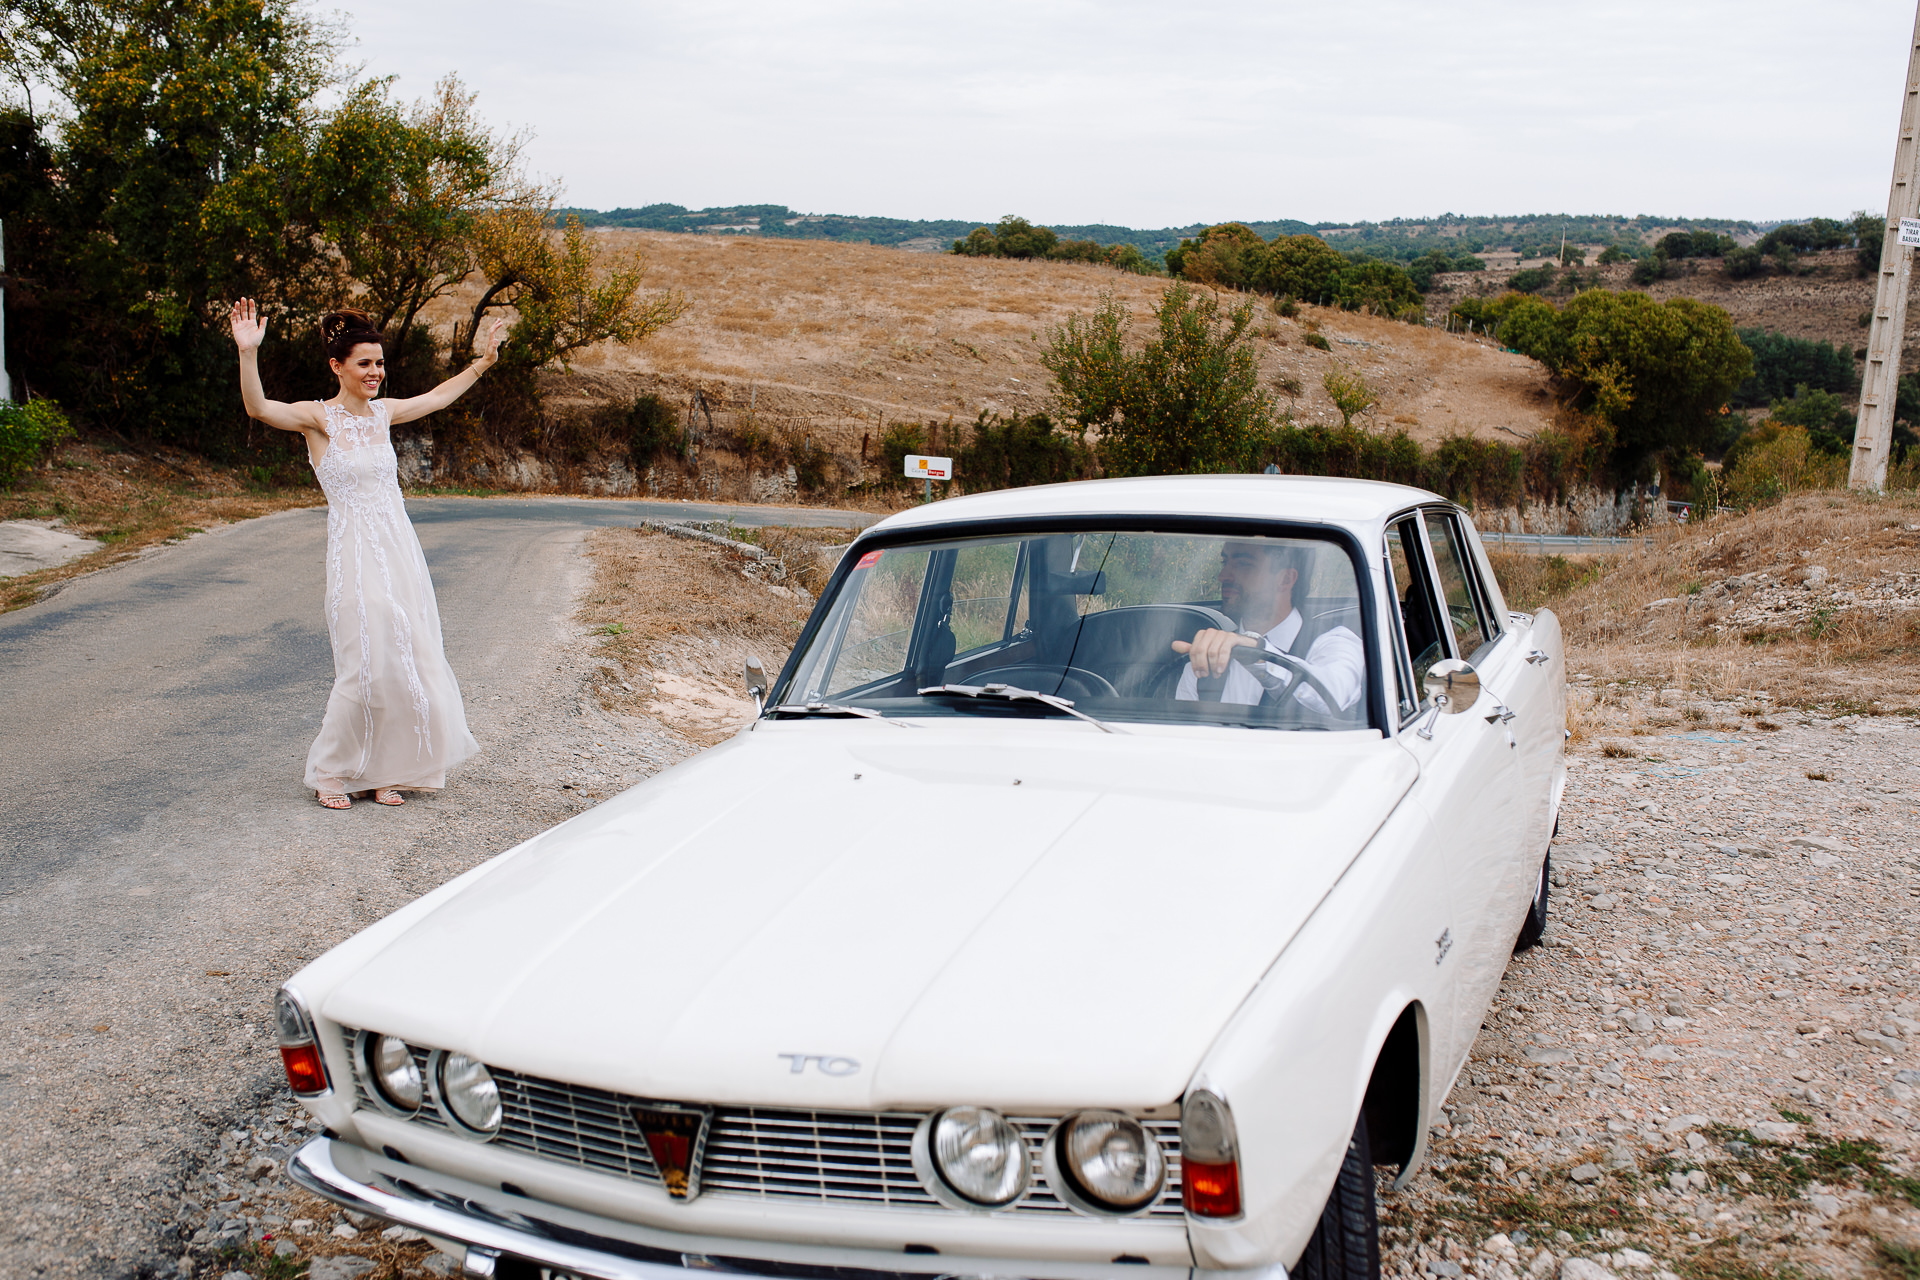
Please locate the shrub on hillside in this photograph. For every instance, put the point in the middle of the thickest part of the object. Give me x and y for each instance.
(1018, 238)
(1378, 287)
(1779, 460)
(896, 442)
(1012, 453)
(1231, 255)
(28, 433)
(1187, 401)
(1532, 280)
(1824, 416)
(649, 425)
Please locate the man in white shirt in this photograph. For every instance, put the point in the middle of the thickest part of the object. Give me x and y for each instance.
(1256, 587)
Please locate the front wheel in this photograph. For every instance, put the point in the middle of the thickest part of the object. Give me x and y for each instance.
(1346, 1244)
(1534, 927)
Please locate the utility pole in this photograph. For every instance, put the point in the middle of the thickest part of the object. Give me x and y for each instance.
(1873, 433)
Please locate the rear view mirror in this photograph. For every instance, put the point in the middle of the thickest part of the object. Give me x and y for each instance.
(756, 682)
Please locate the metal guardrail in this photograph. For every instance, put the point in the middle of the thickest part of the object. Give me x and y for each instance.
(1560, 543)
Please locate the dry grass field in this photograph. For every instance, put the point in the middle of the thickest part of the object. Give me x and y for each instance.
(1813, 602)
(835, 341)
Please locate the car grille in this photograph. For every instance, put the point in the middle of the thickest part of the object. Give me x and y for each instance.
(767, 1153)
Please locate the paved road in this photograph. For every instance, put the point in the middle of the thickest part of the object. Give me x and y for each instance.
(161, 867)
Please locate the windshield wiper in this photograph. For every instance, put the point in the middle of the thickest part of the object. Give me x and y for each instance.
(1007, 693)
(839, 709)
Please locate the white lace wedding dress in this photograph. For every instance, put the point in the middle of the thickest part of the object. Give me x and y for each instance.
(394, 718)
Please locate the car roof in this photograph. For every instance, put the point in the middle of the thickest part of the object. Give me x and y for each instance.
(1327, 499)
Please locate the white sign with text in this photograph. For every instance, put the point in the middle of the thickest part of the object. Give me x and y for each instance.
(921, 467)
(1910, 231)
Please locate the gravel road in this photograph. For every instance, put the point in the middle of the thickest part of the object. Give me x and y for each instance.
(162, 869)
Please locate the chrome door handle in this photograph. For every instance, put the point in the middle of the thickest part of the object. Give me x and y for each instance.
(1499, 715)
(1538, 655)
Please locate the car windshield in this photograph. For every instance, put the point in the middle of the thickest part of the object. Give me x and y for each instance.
(949, 627)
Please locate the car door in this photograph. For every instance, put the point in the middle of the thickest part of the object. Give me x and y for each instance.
(1526, 669)
(1469, 778)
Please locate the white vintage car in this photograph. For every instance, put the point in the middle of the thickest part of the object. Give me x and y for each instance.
(1116, 875)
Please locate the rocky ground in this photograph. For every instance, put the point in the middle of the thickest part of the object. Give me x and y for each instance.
(1707, 1069)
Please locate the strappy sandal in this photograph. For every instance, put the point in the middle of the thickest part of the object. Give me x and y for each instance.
(333, 799)
(388, 795)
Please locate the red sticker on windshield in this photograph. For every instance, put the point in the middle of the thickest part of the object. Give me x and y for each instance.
(868, 560)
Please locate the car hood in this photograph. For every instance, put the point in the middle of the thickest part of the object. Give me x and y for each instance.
(861, 915)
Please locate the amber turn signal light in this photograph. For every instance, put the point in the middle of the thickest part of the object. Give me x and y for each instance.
(1210, 1190)
(306, 1073)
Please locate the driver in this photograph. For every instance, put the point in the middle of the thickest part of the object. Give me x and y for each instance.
(1256, 587)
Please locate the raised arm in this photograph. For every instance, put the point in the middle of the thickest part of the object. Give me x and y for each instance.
(248, 332)
(453, 388)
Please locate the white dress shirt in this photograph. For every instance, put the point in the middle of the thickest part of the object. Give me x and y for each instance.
(1337, 657)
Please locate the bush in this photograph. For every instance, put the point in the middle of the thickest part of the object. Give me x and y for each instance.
(1318, 341)
(1187, 402)
(1018, 238)
(652, 427)
(1012, 453)
(1013, 238)
(1611, 254)
(28, 432)
(1825, 417)
(896, 442)
(1532, 280)
(1744, 264)
(1779, 460)
(1379, 287)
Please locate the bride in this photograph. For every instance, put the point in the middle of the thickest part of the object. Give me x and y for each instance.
(394, 720)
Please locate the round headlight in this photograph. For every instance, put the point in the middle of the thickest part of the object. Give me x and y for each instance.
(980, 1154)
(1112, 1159)
(395, 1073)
(470, 1093)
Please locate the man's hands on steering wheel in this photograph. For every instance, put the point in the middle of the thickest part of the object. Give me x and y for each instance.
(1211, 651)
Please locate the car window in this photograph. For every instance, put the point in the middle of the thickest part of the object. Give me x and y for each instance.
(1457, 584)
(877, 626)
(1092, 616)
(982, 587)
(1421, 631)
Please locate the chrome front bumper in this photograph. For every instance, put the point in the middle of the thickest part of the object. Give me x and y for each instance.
(501, 1234)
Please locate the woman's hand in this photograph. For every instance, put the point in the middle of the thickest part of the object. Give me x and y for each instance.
(249, 329)
(490, 341)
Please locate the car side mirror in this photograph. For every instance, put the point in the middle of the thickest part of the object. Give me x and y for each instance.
(1454, 687)
(756, 683)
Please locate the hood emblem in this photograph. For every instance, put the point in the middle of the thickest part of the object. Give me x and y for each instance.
(676, 1137)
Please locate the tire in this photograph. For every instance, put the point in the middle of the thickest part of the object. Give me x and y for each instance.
(1534, 927)
(1346, 1244)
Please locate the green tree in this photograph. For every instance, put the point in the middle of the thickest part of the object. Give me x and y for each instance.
(1659, 372)
(1013, 238)
(1301, 266)
(1230, 255)
(1188, 401)
(164, 99)
(1379, 287)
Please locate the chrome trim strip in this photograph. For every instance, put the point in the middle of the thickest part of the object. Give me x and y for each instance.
(478, 1218)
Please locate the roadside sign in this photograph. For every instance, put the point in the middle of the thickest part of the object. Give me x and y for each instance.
(1910, 231)
(921, 467)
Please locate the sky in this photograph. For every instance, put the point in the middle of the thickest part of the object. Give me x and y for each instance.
(1148, 115)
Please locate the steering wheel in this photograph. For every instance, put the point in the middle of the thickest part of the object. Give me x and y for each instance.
(1210, 691)
(1091, 683)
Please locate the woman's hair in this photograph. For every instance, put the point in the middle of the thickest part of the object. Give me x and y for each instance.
(341, 331)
